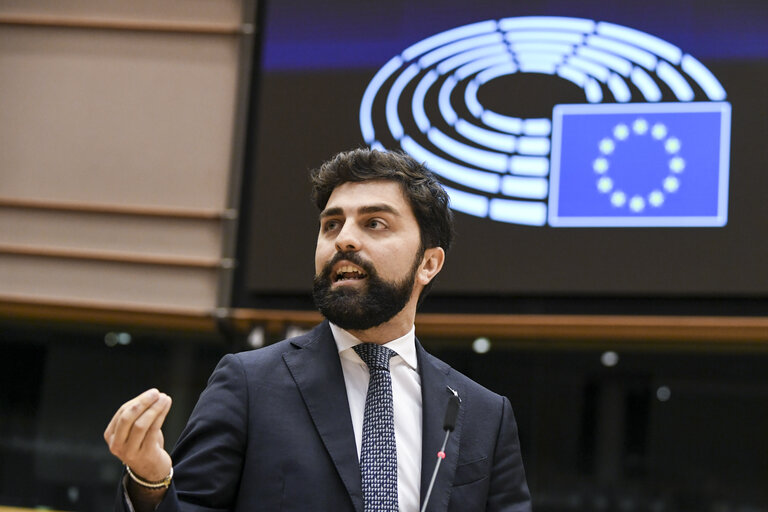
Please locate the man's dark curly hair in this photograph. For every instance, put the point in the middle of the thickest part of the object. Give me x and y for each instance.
(427, 198)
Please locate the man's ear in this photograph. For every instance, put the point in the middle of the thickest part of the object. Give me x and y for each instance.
(431, 264)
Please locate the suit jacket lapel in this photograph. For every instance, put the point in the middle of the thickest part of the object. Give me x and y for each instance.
(434, 394)
(316, 369)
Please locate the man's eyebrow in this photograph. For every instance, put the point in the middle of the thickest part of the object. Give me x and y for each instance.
(364, 210)
(378, 208)
(330, 212)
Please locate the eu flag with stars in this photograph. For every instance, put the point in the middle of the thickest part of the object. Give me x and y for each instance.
(640, 164)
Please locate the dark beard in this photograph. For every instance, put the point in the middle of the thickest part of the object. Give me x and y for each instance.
(359, 309)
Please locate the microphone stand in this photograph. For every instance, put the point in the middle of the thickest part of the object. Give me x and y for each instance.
(451, 411)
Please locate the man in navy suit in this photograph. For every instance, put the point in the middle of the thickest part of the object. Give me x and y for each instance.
(281, 428)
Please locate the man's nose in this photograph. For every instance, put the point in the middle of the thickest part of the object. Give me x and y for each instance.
(348, 239)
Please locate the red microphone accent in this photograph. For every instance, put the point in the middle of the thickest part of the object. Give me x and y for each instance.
(441, 454)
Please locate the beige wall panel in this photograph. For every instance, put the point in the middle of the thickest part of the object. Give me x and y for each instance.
(219, 11)
(116, 117)
(91, 231)
(140, 285)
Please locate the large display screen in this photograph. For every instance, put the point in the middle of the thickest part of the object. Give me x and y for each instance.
(589, 149)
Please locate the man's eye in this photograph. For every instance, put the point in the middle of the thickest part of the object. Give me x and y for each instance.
(376, 224)
(330, 225)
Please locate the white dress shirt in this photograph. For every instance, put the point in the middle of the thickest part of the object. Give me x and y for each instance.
(406, 395)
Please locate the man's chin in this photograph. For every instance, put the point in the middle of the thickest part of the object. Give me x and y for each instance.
(346, 307)
(362, 304)
(346, 314)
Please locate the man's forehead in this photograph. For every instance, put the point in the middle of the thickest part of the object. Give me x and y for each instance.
(381, 195)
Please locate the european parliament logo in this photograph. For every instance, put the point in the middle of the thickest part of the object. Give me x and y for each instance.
(626, 157)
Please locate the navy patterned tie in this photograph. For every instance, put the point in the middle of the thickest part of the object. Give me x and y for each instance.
(378, 455)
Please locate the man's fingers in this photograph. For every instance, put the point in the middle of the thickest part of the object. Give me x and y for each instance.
(134, 434)
(119, 427)
(150, 419)
(109, 432)
(155, 434)
(131, 411)
(167, 402)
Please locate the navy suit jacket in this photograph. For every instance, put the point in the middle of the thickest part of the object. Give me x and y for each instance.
(272, 431)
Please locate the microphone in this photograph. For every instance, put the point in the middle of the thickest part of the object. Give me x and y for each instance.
(449, 423)
(451, 412)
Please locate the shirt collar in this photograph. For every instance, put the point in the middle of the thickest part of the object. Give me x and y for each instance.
(404, 346)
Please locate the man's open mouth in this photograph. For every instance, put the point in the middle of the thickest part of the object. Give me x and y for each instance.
(348, 273)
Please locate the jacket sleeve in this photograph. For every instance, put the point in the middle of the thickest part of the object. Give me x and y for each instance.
(508, 490)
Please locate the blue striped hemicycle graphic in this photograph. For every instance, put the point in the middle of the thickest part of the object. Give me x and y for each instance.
(649, 146)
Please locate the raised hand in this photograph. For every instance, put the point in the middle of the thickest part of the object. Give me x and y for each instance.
(134, 436)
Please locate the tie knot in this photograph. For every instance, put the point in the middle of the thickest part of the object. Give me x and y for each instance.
(375, 356)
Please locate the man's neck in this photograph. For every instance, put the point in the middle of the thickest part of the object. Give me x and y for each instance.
(379, 335)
